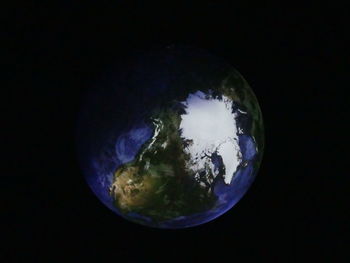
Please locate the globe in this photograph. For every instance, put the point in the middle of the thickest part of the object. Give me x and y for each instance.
(170, 138)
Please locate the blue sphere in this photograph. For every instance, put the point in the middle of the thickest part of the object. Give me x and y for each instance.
(171, 139)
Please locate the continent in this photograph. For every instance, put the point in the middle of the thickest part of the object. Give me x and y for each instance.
(129, 189)
(157, 183)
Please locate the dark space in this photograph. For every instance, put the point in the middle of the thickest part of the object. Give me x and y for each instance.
(293, 57)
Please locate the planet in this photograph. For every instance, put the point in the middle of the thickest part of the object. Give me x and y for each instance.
(170, 138)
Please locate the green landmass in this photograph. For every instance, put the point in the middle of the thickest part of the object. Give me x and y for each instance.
(157, 184)
(237, 88)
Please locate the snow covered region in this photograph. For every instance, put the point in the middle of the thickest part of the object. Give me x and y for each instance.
(210, 126)
(158, 126)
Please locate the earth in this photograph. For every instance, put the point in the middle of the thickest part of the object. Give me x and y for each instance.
(172, 138)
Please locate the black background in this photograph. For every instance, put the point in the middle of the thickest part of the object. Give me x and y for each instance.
(293, 57)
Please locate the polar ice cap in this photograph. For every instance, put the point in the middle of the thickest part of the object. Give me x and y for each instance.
(211, 126)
